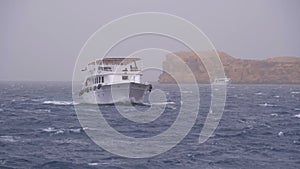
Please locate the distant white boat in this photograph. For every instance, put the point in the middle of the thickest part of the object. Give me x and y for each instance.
(221, 80)
(112, 80)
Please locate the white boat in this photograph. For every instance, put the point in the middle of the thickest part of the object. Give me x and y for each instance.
(113, 80)
(221, 80)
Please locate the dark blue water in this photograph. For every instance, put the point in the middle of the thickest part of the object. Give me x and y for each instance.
(260, 128)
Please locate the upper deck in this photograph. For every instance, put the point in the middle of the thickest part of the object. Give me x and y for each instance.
(112, 70)
(116, 61)
(113, 65)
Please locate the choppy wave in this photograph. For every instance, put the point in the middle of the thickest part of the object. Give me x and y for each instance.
(71, 141)
(93, 164)
(38, 100)
(274, 114)
(296, 142)
(163, 103)
(61, 103)
(297, 115)
(20, 99)
(280, 133)
(171, 107)
(267, 105)
(158, 103)
(10, 139)
(44, 110)
(62, 131)
(51, 131)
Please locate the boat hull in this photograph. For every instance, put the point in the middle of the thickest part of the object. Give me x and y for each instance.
(115, 93)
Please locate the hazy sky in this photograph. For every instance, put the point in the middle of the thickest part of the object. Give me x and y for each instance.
(40, 40)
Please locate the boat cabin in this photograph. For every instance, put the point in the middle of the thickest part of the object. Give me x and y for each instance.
(112, 71)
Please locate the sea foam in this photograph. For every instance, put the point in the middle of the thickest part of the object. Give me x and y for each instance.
(61, 103)
(297, 115)
(267, 105)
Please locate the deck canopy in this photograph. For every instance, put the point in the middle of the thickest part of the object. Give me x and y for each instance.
(117, 61)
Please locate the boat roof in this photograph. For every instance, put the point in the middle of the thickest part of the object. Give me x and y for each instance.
(115, 61)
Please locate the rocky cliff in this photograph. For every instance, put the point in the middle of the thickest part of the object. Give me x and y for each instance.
(277, 70)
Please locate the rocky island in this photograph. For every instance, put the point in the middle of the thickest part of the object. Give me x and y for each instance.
(276, 70)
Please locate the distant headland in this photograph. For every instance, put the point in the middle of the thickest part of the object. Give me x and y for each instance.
(276, 70)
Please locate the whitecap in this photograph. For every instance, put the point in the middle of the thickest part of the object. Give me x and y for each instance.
(276, 96)
(61, 131)
(91, 110)
(297, 115)
(296, 142)
(297, 109)
(171, 107)
(93, 164)
(10, 139)
(274, 114)
(259, 93)
(295, 92)
(88, 128)
(19, 99)
(61, 103)
(77, 130)
(280, 133)
(242, 121)
(44, 110)
(267, 105)
(49, 129)
(162, 103)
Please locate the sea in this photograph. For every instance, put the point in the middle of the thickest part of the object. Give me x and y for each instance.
(259, 128)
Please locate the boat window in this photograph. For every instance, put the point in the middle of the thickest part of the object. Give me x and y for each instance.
(107, 69)
(102, 79)
(133, 68)
(124, 77)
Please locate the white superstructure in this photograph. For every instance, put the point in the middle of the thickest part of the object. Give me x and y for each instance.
(112, 80)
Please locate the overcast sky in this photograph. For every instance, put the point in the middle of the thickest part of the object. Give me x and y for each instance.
(40, 40)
